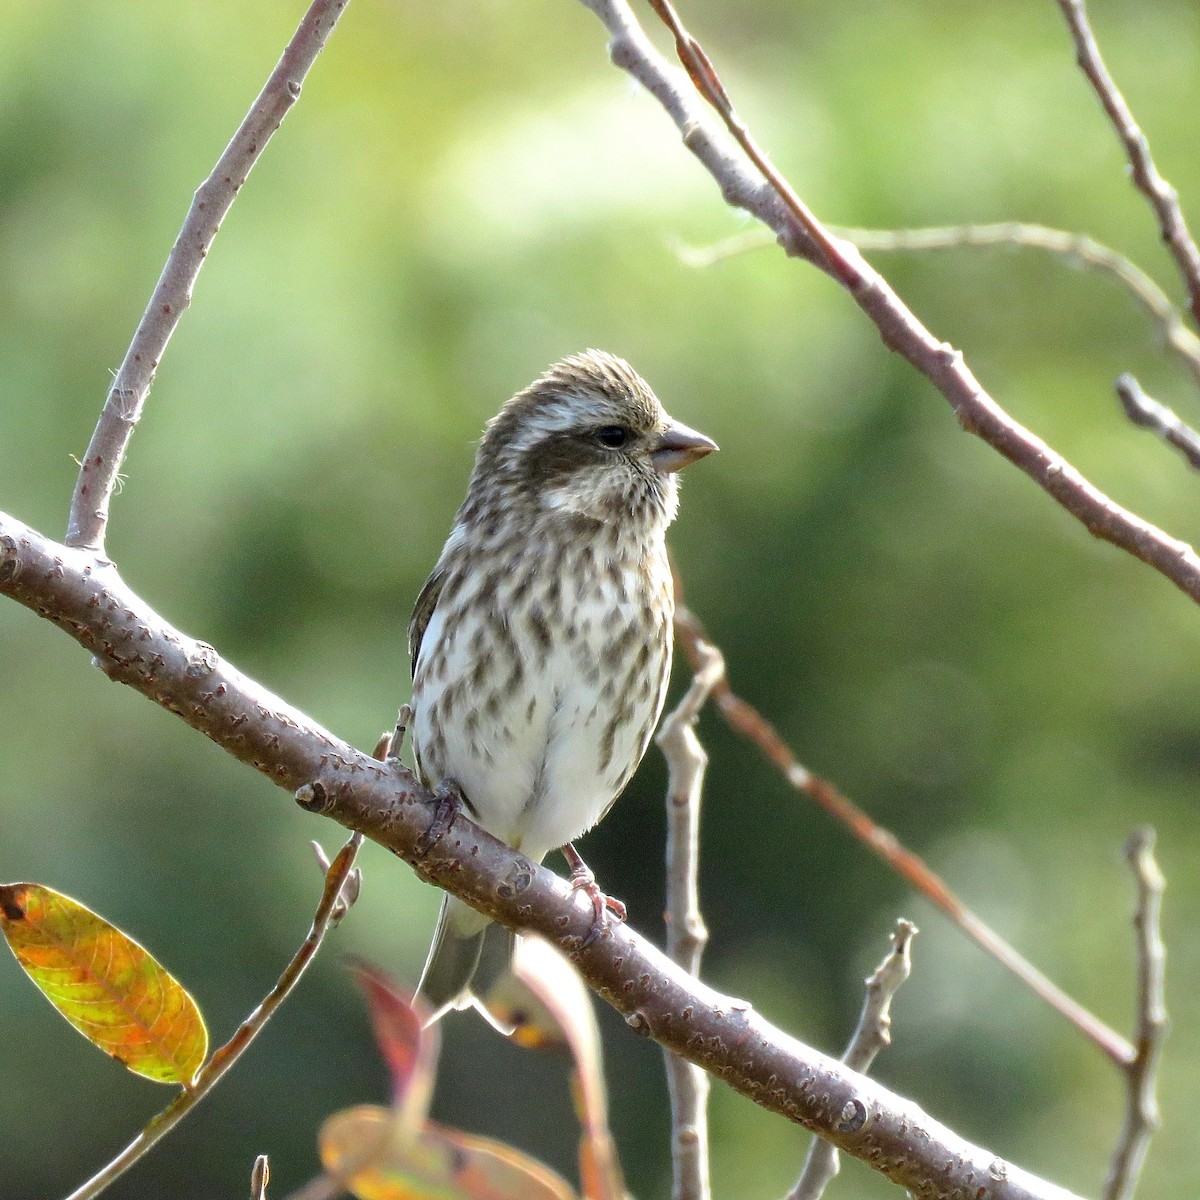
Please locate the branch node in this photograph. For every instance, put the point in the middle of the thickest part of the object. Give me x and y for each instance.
(313, 797)
(854, 1116)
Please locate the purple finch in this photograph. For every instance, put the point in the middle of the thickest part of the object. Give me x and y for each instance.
(541, 643)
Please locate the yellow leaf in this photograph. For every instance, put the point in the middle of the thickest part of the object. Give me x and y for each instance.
(104, 983)
(366, 1151)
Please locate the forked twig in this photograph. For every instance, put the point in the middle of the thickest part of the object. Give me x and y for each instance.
(88, 519)
(209, 1075)
(872, 1034)
(1141, 1104)
(751, 724)
(686, 932)
(1163, 198)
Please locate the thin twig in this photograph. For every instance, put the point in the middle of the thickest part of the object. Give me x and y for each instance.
(260, 1176)
(222, 1059)
(1141, 1104)
(977, 412)
(1076, 248)
(686, 932)
(1163, 198)
(833, 254)
(751, 724)
(872, 1034)
(88, 519)
(1148, 413)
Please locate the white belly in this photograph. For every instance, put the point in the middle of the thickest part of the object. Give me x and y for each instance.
(544, 739)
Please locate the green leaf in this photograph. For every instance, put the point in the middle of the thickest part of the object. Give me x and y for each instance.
(104, 983)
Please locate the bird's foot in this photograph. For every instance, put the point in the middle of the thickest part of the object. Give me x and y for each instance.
(450, 801)
(583, 880)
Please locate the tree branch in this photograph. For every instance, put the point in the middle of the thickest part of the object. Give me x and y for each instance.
(88, 519)
(686, 933)
(1141, 1107)
(1075, 248)
(1163, 198)
(871, 1035)
(84, 595)
(899, 328)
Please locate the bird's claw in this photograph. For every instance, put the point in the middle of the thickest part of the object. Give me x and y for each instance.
(449, 803)
(583, 880)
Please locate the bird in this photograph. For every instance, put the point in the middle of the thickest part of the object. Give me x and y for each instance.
(541, 642)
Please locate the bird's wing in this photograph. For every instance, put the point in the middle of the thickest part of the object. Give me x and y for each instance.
(422, 611)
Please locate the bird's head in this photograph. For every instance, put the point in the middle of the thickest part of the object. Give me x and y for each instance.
(588, 439)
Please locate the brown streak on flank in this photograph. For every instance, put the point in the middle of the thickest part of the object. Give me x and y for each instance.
(540, 628)
(515, 678)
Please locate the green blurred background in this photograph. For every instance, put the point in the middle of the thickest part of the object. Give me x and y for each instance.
(466, 192)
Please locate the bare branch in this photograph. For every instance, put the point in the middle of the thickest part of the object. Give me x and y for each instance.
(751, 724)
(1141, 1107)
(686, 934)
(84, 595)
(1163, 198)
(1148, 413)
(1075, 248)
(88, 519)
(942, 364)
(871, 1035)
(223, 1058)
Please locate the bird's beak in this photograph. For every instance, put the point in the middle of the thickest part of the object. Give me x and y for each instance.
(678, 445)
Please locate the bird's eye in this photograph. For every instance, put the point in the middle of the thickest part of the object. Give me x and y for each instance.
(612, 436)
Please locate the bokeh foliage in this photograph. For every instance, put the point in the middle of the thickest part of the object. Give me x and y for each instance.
(466, 191)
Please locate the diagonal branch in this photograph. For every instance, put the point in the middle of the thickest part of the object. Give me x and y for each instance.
(942, 364)
(84, 595)
(1075, 248)
(88, 519)
(752, 725)
(1163, 198)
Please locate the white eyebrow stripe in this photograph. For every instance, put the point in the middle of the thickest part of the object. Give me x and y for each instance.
(566, 415)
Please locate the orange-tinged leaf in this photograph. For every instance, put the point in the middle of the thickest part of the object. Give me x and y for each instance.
(365, 1151)
(104, 983)
(409, 1050)
(566, 1002)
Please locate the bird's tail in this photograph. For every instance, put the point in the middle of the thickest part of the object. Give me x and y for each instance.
(468, 955)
